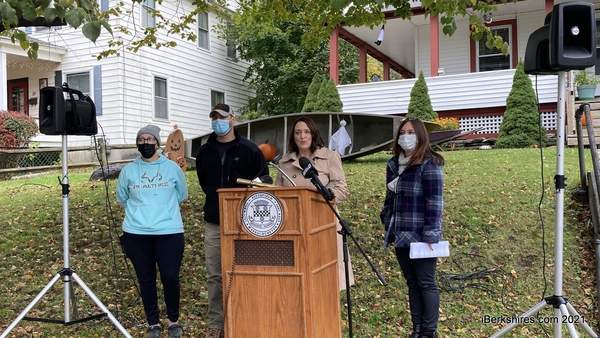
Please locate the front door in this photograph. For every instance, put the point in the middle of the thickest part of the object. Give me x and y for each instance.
(18, 95)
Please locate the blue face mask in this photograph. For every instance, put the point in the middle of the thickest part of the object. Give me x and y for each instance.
(221, 127)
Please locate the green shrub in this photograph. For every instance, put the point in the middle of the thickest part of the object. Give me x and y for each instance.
(310, 102)
(251, 115)
(520, 126)
(420, 104)
(328, 99)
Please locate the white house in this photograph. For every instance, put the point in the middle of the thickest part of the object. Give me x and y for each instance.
(165, 87)
(466, 80)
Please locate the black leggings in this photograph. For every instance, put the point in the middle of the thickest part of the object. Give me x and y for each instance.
(423, 294)
(145, 252)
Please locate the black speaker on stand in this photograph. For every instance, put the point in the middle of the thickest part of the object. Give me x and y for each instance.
(567, 41)
(66, 111)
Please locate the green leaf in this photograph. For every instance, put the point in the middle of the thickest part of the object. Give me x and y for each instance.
(29, 11)
(24, 43)
(42, 3)
(106, 26)
(338, 4)
(91, 30)
(50, 14)
(86, 4)
(74, 17)
(8, 14)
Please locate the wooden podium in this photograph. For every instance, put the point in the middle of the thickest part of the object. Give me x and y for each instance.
(286, 284)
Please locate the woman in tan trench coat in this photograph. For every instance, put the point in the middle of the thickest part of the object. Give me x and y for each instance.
(305, 141)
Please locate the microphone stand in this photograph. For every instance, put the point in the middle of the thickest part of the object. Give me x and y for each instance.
(345, 232)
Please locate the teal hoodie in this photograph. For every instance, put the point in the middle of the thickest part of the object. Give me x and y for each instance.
(150, 193)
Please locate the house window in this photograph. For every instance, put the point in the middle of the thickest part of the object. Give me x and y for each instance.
(79, 81)
(160, 98)
(394, 75)
(203, 31)
(231, 47)
(492, 58)
(216, 98)
(148, 19)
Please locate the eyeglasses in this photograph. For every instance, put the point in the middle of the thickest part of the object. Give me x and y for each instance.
(147, 140)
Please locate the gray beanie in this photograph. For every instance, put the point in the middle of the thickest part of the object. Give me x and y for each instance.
(152, 130)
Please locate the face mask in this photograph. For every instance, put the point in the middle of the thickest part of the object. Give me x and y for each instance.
(220, 126)
(408, 141)
(147, 150)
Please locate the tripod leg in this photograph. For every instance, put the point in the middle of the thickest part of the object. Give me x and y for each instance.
(30, 306)
(557, 326)
(347, 275)
(110, 316)
(73, 301)
(565, 314)
(529, 313)
(588, 329)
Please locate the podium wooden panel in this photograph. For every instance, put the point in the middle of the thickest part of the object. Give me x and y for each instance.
(286, 285)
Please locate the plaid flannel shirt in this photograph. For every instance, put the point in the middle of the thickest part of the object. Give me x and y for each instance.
(414, 214)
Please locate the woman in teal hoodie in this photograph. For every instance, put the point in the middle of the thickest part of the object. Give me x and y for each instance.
(150, 190)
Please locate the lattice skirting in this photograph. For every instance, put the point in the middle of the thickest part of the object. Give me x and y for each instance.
(491, 124)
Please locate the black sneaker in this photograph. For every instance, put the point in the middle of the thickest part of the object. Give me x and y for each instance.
(429, 334)
(175, 331)
(153, 331)
(416, 333)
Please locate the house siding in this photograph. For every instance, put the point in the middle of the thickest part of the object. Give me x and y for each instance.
(128, 79)
(447, 93)
(455, 51)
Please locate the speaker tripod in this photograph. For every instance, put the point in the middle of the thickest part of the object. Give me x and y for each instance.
(564, 312)
(67, 274)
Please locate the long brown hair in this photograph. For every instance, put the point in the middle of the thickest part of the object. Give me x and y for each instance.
(423, 149)
(316, 139)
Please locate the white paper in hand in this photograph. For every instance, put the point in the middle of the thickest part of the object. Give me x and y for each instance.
(422, 250)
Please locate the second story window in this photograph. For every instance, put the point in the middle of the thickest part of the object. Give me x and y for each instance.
(160, 98)
(148, 19)
(231, 47)
(203, 31)
(492, 58)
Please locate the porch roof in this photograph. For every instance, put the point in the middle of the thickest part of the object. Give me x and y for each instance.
(400, 34)
(46, 51)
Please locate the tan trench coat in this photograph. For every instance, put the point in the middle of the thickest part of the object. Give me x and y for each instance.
(329, 166)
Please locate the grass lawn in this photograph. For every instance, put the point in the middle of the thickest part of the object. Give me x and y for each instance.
(491, 221)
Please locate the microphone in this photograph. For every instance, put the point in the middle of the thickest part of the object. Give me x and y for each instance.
(309, 172)
(266, 179)
(254, 183)
(275, 164)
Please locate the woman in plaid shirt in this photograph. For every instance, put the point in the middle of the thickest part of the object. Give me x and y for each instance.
(412, 212)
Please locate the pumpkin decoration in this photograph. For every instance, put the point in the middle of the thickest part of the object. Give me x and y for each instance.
(174, 148)
(268, 150)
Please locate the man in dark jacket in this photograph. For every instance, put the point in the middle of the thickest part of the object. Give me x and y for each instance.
(224, 158)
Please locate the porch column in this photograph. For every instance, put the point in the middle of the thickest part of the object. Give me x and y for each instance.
(386, 71)
(3, 84)
(549, 5)
(362, 64)
(334, 64)
(434, 44)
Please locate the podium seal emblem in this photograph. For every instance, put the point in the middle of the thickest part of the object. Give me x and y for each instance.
(262, 214)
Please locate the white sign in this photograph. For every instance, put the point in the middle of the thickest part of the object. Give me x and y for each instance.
(262, 214)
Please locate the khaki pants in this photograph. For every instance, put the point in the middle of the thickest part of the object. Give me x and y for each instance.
(212, 252)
